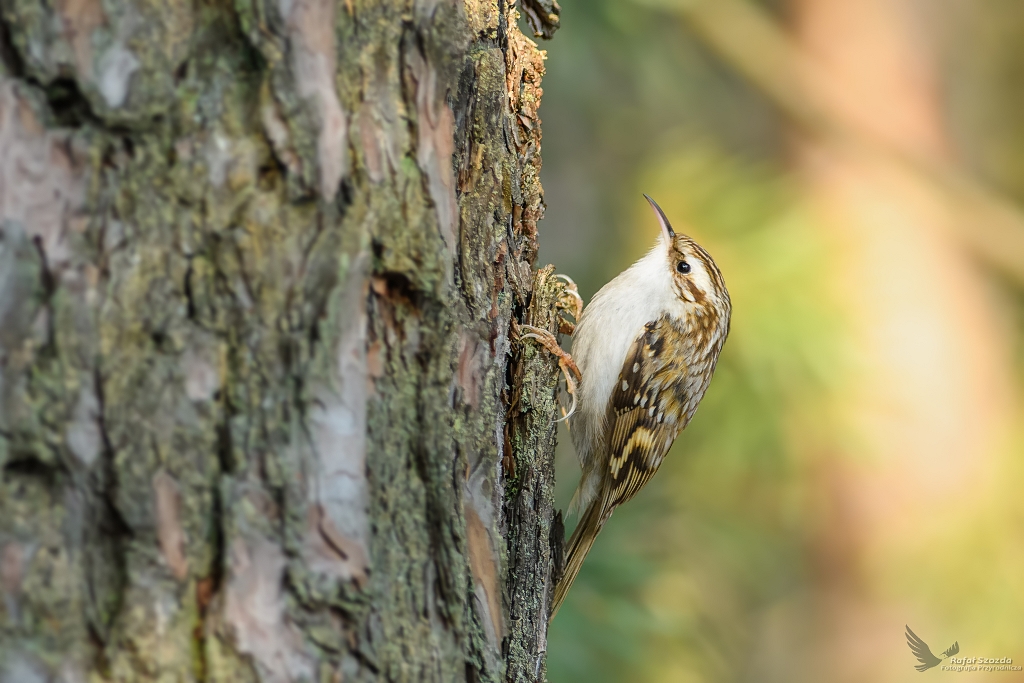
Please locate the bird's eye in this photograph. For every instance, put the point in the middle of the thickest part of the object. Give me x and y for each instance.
(683, 267)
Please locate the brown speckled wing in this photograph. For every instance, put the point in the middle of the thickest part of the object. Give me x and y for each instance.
(644, 412)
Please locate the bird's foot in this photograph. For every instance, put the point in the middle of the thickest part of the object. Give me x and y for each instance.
(565, 362)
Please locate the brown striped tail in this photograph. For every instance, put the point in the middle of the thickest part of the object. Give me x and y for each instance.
(583, 537)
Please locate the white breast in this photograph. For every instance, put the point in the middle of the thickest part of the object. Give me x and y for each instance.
(610, 324)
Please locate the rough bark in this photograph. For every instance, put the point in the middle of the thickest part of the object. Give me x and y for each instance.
(262, 414)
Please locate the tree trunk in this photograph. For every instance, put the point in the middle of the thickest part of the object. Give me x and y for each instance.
(262, 413)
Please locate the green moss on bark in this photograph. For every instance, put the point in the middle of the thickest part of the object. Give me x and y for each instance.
(174, 341)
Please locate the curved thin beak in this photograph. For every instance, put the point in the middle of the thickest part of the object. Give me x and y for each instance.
(666, 227)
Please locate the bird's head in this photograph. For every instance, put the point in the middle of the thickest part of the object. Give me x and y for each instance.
(696, 281)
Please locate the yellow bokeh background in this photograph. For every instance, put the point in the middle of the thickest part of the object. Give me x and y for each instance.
(855, 170)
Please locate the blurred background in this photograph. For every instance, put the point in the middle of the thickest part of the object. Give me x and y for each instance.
(856, 167)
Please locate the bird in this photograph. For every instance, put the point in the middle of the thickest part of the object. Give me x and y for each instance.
(646, 347)
(924, 653)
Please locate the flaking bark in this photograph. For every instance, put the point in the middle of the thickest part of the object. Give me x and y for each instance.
(262, 414)
(533, 532)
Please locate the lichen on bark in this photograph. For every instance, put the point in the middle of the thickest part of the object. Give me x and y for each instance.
(259, 264)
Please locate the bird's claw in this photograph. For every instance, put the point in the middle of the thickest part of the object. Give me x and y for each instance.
(570, 301)
(565, 362)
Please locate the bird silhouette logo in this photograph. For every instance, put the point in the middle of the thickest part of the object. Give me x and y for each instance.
(924, 653)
